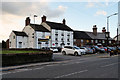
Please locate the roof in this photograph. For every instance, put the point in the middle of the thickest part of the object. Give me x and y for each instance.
(38, 27)
(100, 35)
(116, 36)
(58, 26)
(18, 33)
(89, 35)
(81, 35)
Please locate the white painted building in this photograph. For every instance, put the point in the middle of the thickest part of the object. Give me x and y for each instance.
(46, 34)
(61, 34)
(18, 39)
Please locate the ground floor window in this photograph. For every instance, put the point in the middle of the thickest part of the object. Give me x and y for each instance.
(20, 45)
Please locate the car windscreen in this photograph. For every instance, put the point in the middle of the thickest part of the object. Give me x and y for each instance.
(76, 47)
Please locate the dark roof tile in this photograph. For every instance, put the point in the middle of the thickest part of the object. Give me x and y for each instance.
(38, 27)
(81, 35)
(18, 33)
(58, 26)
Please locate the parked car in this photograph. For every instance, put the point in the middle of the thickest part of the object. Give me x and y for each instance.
(54, 49)
(113, 50)
(71, 50)
(83, 51)
(99, 50)
(87, 50)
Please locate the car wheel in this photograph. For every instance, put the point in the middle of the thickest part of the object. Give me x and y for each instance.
(64, 53)
(76, 54)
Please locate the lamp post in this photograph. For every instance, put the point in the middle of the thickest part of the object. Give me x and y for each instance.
(107, 33)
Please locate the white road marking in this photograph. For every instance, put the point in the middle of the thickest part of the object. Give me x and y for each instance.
(109, 64)
(71, 74)
(22, 70)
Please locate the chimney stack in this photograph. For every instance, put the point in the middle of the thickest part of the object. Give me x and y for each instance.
(103, 30)
(44, 18)
(95, 30)
(27, 21)
(64, 21)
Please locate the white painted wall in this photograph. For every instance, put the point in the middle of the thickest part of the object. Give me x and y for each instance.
(39, 35)
(31, 33)
(24, 41)
(65, 37)
(12, 41)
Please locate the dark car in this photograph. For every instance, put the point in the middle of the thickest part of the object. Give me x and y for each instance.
(113, 50)
(99, 50)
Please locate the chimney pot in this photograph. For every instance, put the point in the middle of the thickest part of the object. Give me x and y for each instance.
(27, 21)
(64, 21)
(44, 18)
(95, 30)
(103, 30)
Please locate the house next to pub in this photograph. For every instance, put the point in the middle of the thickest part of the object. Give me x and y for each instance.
(82, 38)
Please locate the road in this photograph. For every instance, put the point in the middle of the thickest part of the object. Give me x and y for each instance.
(86, 66)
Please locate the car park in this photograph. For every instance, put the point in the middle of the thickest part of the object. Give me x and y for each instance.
(71, 50)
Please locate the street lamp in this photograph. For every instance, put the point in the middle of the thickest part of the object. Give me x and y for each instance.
(108, 20)
(107, 33)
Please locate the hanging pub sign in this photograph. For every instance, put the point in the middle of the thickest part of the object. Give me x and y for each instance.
(43, 40)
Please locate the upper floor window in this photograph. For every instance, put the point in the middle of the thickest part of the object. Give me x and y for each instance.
(43, 35)
(13, 37)
(62, 34)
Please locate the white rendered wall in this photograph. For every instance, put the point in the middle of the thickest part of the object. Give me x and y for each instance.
(31, 33)
(39, 35)
(65, 37)
(12, 41)
(24, 41)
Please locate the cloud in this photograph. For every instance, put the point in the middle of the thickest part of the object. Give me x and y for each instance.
(14, 14)
(101, 12)
(90, 4)
(27, 8)
(97, 4)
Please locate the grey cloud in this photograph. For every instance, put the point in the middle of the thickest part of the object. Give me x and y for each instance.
(27, 8)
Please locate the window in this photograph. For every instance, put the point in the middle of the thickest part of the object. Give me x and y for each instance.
(103, 41)
(68, 40)
(10, 44)
(96, 41)
(92, 41)
(109, 41)
(56, 44)
(81, 40)
(56, 39)
(68, 43)
(43, 35)
(62, 39)
(20, 45)
(62, 34)
(13, 37)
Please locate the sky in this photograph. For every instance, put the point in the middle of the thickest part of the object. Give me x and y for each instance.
(79, 15)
